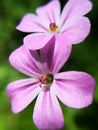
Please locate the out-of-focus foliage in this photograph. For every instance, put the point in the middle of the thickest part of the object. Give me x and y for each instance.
(84, 57)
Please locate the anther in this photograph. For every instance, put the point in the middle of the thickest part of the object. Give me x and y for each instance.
(53, 27)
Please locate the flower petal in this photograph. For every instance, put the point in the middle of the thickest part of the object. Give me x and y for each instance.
(50, 12)
(37, 41)
(31, 23)
(75, 7)
(22, 93)
(56, 52)
(51, 59)
(47, 112)
(22, 60)
(77, 29)
(75, 89)
(62, 52)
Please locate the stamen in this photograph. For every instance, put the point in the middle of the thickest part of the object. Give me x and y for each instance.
(53, 27)
(46, 81)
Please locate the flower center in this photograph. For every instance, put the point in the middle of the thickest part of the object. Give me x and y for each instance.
(53, 27)
(46, 81)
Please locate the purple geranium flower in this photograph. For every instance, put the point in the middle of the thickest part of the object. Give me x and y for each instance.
(49, 21)
(74, 89)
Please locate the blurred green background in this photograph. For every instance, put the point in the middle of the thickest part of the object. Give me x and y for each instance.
(84, 57)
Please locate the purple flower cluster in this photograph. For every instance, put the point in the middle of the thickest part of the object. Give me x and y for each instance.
(41, 57)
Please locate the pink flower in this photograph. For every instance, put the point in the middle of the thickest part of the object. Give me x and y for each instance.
(49, 21)
(74, 89)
